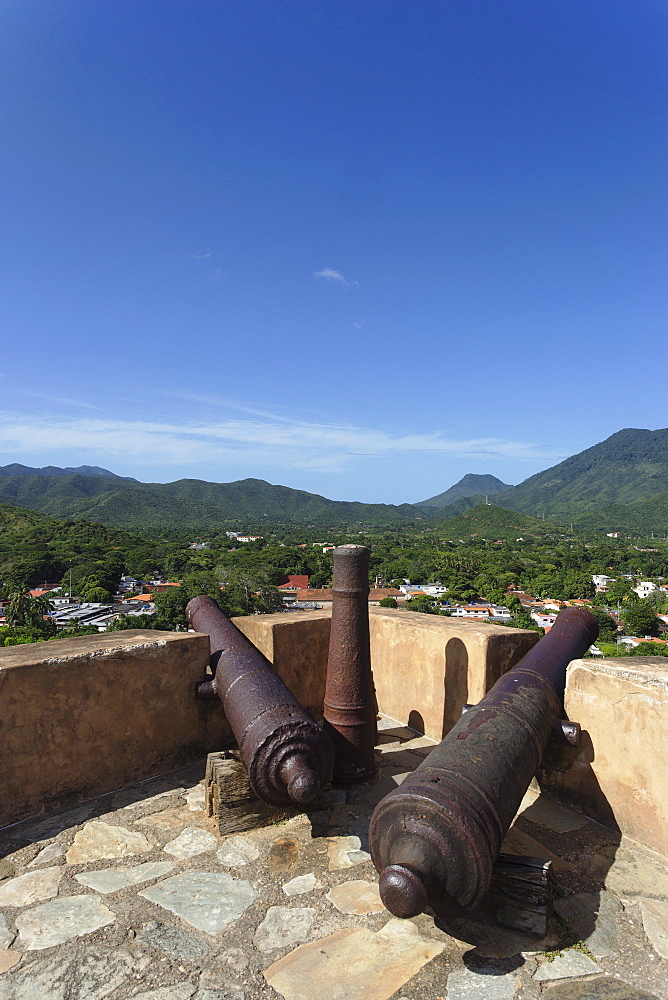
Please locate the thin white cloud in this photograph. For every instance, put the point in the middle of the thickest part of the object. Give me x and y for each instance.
(204, 255)
(329, 274)
(323, 447)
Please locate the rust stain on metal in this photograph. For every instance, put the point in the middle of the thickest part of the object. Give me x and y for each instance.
(438, 834)
(350, 704)
(287, 755)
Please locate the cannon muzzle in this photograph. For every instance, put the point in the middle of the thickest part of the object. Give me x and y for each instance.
(287, 755)
(438, 834)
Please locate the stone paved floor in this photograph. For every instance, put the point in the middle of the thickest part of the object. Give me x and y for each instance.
(137, 896)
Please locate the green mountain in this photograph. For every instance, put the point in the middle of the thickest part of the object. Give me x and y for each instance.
(16, 469)
(489, 521)
(190, 503)
(629, 466)
(470, 485)
(643, 517)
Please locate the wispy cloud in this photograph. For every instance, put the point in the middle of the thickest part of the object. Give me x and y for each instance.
(329, 274)
(61, 400)
(261, 442)
(204, 255)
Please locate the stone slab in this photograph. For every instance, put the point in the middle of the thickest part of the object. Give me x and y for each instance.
(655, 922)
(354, 963)
(52, 852)
(570, 963)
(191, 842)
(300, 884)
(517, 841)
(61, 920)
(180, 991)
(631, 870)
(357, 896)
(32, 887)
(108, 880)
(283, 926)
(173, 941)
(603, 988)
(196, 798)
(546, 812)
(594, 919)
(8, 959)
(99, 841)
(237, 851)
(91, 975)
(6, 935)
(345, 852)
(208, 901)
(485, 983)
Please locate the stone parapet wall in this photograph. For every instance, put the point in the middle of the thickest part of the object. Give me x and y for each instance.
(83, 716)
(618, 775)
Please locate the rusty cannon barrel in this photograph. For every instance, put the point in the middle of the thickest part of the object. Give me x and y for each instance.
(287, 755)
(438, 834)
(350, 704)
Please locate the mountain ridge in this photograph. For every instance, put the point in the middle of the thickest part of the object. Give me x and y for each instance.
(469, 485)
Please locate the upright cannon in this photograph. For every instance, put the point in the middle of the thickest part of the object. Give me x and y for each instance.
(438, 834)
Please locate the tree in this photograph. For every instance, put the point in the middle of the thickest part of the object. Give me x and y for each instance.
(24, 611)
(640, 619)
(607, 626)
(425, 604)
(649, 649)
(388, 602)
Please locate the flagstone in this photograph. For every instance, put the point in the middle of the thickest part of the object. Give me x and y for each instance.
(6, 936)
(181, 991)
(196, 798)
(237, 851)
(570, 963)
(300, 884)
(354, 963)
(52, 852)
(61, 920)
(283, 925)
(112, 879)
(485, 983)
(32, 887)
(601, 988)
(85, 975)
(655, 922)
(593, 917)
(98, 841)
(357, 896)
(7, 869)
(173, 941)
(8, 959)
(208, 901)
(344, 852)
(191, 842)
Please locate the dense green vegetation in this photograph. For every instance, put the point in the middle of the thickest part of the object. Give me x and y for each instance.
(628, 466)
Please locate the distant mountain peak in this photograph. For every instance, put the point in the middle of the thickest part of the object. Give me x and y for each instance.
(16, 469)
(469, 485)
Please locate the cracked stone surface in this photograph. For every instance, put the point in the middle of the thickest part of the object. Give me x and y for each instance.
(52, 852)
(98, 841)
(345, 852)
(208, 901)
(88, 976)
(570, 963)
(356, 897)
(181, 991)
(487, 982)
(33, 887)
(283, 925)
(655, 922)
(628, 872)
(61, 920)
(362, 963)
(191, 842)
(300, 884)
(173, 941)
(6, 935)
(112, 879)
(237, 851)
(604, 988)
(594, 919)
(8, 959)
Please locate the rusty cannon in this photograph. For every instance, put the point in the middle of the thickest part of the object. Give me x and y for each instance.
(436, 837)
(287, 755)
(350, 704)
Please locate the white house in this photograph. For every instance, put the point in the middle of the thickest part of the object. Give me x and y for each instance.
(644, 588)
(602, 582)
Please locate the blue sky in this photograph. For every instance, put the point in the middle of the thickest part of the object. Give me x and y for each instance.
(357, 247)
